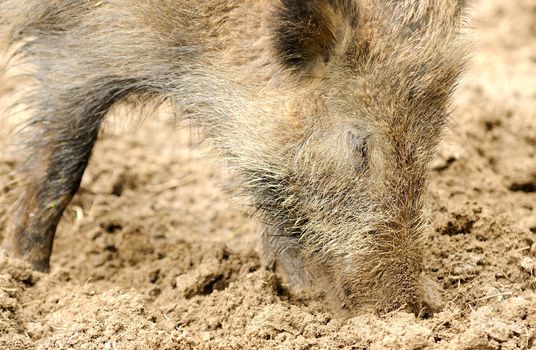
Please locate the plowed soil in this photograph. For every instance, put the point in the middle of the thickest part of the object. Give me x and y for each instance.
(153, 254)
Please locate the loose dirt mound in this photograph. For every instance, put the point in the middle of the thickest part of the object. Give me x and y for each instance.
(153, 255)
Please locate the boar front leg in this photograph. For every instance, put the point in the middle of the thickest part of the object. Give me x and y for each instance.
(58, 140)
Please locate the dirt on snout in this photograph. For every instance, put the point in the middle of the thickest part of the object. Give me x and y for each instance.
(153, 254)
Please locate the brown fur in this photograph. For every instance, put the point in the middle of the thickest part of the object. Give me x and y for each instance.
(329, 110)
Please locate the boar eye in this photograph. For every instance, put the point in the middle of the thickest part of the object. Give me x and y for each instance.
(359, 148)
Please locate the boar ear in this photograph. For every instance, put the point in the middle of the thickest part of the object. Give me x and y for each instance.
(308, 33)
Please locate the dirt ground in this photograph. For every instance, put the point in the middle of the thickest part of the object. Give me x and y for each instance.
(152, 254)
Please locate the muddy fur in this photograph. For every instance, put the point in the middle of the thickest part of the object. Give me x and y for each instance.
(328, 110)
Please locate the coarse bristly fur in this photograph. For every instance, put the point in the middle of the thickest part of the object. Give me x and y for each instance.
(329, 110)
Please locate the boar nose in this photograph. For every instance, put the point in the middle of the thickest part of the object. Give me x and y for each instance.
(417, 308)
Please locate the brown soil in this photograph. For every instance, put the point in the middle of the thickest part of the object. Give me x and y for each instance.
(152, 254)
